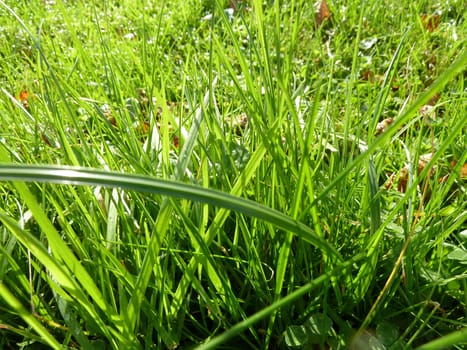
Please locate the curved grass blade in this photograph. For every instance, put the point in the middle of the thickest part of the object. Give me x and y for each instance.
(141, 183)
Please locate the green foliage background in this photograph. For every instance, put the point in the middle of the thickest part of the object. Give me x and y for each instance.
(175, 174)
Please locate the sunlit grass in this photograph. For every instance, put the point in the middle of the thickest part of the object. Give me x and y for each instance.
(175, 175)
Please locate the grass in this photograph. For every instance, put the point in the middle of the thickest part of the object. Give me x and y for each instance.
(176, 180)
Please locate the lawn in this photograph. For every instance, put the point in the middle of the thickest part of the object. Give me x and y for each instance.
(233, 174)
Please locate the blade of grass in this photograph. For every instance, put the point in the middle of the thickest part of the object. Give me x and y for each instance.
(445, 342)
(61, 275)
(140, 183)
(455, 68)
(10, 299)
(69, 152)
(217, 222)
(457, 129)
(281, 303)
(65, 256)
(159, 232)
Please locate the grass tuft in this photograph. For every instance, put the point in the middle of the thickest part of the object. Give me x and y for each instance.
(217, 174)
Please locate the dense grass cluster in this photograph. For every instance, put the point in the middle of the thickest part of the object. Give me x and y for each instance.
(245, 174)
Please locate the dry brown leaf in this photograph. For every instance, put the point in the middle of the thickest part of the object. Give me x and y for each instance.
(234, 4)
(172, 134)
(423, 160)
(383, 125)
(23, 98)
(323, 13)
(107, 113)
(434, 99)
(46, 139)
(141, 128)
(368, 75)
(402, 177)
(176, 141)
(430, 22)
(463, 171)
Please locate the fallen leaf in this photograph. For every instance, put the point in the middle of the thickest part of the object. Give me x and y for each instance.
(235, 4)
(141, 128)
(176, 141)
(402, 177)
(46, 139)
(434, 99)
(107, 112)
(323, 13)
(423, 160)
(463, 171)
(383, 125)
(430, 22)
(368, 75)
(396, 84)
(23, 97)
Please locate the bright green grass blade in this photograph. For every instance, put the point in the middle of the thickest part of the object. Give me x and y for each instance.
(41, 253)
(159, 232)
(140, 183)
(445, 342)
(269, 61)
(373, 241)
(385, 88)
(281, 303)
(11, 300)
(217, 222)
(60, 129)
(59, 272)
(455, 68)
(365, 275)
(64, 256)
